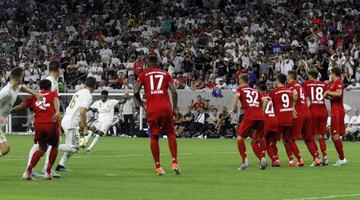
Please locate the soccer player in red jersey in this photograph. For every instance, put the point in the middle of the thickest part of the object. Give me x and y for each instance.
(47, 132)
(314, 91)
(271, 127)
(283, 99)
(159, 111)
(335, 93)
(252, 105)
(302, 124)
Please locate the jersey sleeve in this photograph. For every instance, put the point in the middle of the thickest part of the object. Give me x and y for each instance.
(28, 101)
(95, 105)
(338, 86)
(86, 101)
(140, 79)
(114, 102)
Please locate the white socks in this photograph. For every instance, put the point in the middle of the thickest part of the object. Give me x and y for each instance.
(65, 157)
(33, 149)
(67, 148)
(88, 136)
(93, 143)
(47, 155)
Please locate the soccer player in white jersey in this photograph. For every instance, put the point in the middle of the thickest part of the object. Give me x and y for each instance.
(74, 120)
(105, 107)
(54, 73)
(8, 96)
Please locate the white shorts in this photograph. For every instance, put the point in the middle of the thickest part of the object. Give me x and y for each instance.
(72, 137)
(102, 126)
(352, 129)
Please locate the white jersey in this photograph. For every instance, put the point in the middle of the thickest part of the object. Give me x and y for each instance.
(81, 99)
(105, 110)
(8, 96)
(54, 83)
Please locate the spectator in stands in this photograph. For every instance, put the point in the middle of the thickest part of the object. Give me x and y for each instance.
(128, 111)
(187, 121)
(353, 126)
(223, 122)
(199, 103)
(234, 118)
(354, 85)
(198, 127)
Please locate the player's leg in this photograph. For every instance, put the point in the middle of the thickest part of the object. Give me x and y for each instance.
(70, 147)
(103, 129)
(285, 133)
(53, 140)
(154, 141)
(320, 131)
(167, 128)
(4, 146)
(243, 131)
(271, 148)
(40, 139)
(309, 140)
(338, 129)
(295, 135)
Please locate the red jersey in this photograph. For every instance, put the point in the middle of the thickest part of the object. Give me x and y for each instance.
(44, 109)
(337, 102)
(301, 106)
(269, 110)
(314, 90)
(139, 67)
(251, 103)
(283, 105)
(198, 104)
(156, 83)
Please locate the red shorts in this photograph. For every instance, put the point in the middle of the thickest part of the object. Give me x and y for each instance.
(247, 126)
(285, 132)
(302, 128)
(47, 134)
(337, 123)
(271, 130)
(161, 123)
(318, 125)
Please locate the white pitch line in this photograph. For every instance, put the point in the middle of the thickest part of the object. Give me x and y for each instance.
(328, 197)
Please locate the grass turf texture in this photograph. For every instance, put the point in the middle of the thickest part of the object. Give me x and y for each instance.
(122, 168)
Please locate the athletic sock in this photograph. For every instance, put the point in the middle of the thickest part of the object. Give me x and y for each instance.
(339, 148)
(242, 149)
(65, 158)
(155, 150)
(93, 143)
(52, 157)
(312, 148)
(288, 151)
(173, 147)
(33, 149)
(34, 160)
(88, 136)
(262, 146)
(275, 150)
(65, 148)
(322, 144)
(295, 150)
(256, 149)
(47, 155)
(271, 153)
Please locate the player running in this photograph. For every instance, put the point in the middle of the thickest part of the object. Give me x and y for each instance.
(54, 73)
(159, 111)
(271, 128)
(75, 115)
(8, 96)
(335, 93)
(47, 131)
(283, 99)
(302, 124)
(105, 107)
(314, 91)
(253, 106)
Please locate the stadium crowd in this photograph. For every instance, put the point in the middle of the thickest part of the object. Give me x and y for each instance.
(201, 46)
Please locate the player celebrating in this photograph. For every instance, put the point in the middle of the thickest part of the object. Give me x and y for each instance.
(8, 96)
(253, 120)
(105, 107)
(335, 93)
(54, 73)
(284, 111)
(159, 111)
(271, 128)
(302, 124)
(75, 115)
(47, 132)
(314, 91)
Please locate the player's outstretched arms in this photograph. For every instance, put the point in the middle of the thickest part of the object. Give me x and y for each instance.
(29, 91)
(18, 108)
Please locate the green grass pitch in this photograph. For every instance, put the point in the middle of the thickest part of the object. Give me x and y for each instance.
(122, 168)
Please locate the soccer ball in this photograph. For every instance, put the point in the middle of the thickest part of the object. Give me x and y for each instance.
(83, 143)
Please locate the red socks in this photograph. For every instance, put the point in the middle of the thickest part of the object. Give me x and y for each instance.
(311, 146)
(322, 144)
(339, 148)
(256, 149)
(288, 150)
(173, 147)
(34, 160)
(262, 146)
(275, 149)
(242, 149)
(295, 150)
(52, 158)
(271, 153)
(155, 150)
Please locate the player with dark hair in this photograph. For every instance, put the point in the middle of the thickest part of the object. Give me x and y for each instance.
(47, 132)
(335, 93)
(314, 91)
(271, 127)
(160, 119)
(285, 112)
(302, 124)
(8, 96)
(253, 106)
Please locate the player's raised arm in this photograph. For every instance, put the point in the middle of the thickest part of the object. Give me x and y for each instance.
(174, 95)
(29, 91)
(19, 108)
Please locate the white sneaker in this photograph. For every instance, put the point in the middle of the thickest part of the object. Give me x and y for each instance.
(340, 162)
(263, 164)
(48, 176)
(205, 137)
(244, 165)
(27, 176)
